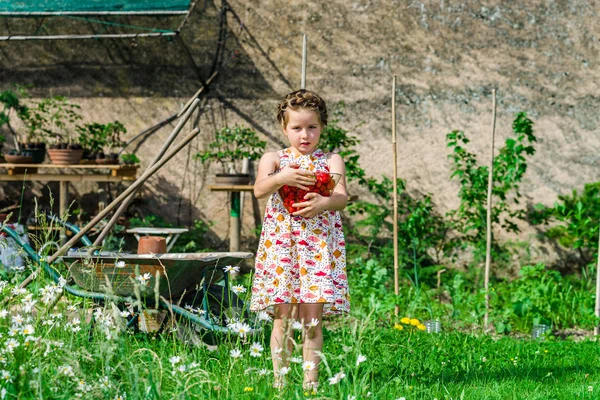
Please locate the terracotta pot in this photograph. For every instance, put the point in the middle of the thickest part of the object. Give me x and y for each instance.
(17, 159)
(152, 244)
(65, 156)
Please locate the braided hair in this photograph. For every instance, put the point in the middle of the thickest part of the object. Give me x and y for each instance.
(302, 99)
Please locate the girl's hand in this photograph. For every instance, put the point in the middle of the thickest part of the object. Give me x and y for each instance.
(292, 175)
(312, 205)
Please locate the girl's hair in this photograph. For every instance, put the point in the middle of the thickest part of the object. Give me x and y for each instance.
(302, 99)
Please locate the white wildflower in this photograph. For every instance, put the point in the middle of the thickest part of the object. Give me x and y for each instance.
(11, 345)
(144, 279)
(296, 360)
(296, 325)
(175, 360)
(314, 322)
(17, 319)
(105, 382)
(283, 371)
(237, 289)
(263, 372)
(264, 316)
(28, 330)
(66, 370)
(361, 359)
(337, 378)
(13, 331)
(120, 264)
(256, 349)
(308, 365)
(5, 376)
(3, 313)
(235, 353)
(231, 269)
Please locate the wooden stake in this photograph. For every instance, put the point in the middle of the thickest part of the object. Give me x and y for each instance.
(597, 327)
(303, 81)
(488, 247)
(395, 175)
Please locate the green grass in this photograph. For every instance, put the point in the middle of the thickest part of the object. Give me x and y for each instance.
(103, 362)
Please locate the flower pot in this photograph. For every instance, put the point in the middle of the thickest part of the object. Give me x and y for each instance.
(232, 179)
(18, 159)
(38, 155)
(65, 156)
(106, 161)
(152, 244)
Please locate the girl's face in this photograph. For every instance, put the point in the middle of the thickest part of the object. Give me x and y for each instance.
(303, 130)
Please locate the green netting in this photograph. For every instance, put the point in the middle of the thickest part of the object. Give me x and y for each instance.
(57, 6)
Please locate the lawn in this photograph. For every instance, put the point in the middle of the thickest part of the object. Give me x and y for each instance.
(58, 354)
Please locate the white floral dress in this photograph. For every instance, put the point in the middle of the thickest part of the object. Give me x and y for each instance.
(301, 260)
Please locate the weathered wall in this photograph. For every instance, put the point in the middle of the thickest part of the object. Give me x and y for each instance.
(542, 56)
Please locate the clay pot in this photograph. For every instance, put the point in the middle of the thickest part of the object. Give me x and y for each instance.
(65, 156)
(152, 244)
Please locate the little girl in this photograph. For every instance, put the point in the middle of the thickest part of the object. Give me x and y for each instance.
(300, 268)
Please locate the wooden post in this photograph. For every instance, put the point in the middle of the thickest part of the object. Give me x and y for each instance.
(304, 56)
(488, 247)
(597, 327)
(395, 178)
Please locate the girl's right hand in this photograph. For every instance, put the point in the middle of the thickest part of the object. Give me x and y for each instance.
(292, 175)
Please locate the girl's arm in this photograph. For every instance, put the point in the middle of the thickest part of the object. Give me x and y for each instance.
(315, 203)
(290, 175)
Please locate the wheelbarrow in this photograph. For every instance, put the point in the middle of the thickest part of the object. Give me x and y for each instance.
(198, 279)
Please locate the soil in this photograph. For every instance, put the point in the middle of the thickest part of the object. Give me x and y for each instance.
(541, 56)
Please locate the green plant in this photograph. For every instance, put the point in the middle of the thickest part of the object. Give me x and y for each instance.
(576, 219)
(93, 137)
(231, 146)
(510, 165)
(130, 158)
(54, 117)
(10, 102)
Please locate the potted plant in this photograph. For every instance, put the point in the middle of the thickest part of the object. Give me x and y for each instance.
(130, 159)
(10, 101)
(56, 118)
(229, 148)
(112, 132)
(93, 138)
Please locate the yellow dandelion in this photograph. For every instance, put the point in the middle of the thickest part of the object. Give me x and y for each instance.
(421, 327)
(398, 326)
(414, 322)
(248, 389)
(405, 320)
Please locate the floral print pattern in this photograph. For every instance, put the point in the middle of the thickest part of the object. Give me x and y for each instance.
(301, 260)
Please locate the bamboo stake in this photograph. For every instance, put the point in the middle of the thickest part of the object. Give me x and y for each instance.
(304, 56)
(488, 246)
(396, 288)
(597, 327)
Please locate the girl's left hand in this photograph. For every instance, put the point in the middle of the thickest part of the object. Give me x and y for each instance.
(312, 205)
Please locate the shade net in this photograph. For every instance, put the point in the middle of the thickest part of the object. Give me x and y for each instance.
(65, 6)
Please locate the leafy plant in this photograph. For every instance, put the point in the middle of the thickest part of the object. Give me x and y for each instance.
(10, 102)
(130, 158)
(55, 118)
(231, 146)
(93, 137)
(510, 165)
(577, 217)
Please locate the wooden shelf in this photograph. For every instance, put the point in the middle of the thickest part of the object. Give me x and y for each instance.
(231, 188)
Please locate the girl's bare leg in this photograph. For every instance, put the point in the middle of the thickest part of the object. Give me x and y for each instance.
(281, 339)
(313, 341)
